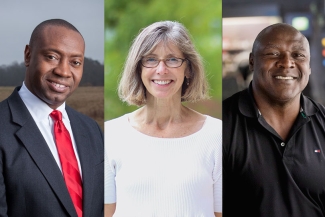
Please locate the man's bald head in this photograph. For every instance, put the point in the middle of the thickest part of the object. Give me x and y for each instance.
(39, 29)
(272, 30)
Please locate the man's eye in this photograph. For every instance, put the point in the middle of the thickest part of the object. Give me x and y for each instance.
(76, 63)
(299, 55)
(272, 54)
(51, 57)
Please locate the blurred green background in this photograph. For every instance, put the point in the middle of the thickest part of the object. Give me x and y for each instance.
(123, 21)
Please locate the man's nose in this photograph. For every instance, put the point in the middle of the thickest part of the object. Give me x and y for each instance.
(63, 68)
(286, 61)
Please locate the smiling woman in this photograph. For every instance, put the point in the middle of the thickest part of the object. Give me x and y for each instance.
(168, 35)
(163, 159)
(159, 78)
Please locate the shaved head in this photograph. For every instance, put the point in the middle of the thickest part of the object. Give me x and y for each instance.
(273, 29)
(37, 32)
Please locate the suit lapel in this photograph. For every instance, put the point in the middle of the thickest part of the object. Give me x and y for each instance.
(36, 146)
(86, 157)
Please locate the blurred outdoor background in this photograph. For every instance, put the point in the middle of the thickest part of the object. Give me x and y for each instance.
(244, 19)
(17, 21)
(123, 21)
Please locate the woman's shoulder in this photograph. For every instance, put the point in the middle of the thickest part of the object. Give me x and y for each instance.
(116, 123)
(215, 122)
(212, 125)
(117, 131)
(208, 118)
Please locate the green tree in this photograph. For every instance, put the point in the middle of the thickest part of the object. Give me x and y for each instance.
(123, 21)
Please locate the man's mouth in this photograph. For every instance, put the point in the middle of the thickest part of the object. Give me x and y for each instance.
(162, 82)
(284, 77)
(58, 85)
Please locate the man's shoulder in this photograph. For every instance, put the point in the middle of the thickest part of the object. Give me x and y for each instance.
(4, 104)
(72, 113)
(231, 104)
(231, 100)
(82, 124)
(5, 113)
(312, 105)
(13, 98)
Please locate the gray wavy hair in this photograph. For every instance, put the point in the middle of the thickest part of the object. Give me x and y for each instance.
(131, 88)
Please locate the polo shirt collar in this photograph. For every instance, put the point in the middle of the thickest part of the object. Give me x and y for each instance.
(308, 105)
(247, 105)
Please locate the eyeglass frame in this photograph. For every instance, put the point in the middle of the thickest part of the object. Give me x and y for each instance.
(164, 60)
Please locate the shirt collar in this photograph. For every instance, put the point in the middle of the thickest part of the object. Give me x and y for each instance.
(246, 103)
(247, 106)
(36, 107)
(308, 105)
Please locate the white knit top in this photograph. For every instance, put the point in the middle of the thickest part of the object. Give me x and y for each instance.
(163, 177)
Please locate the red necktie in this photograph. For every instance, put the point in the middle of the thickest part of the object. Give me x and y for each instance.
(68, 161)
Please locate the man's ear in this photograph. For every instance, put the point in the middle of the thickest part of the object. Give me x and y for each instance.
(251, 62)
(27, 55)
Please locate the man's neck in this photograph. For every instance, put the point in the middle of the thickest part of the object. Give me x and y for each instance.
(279, 115)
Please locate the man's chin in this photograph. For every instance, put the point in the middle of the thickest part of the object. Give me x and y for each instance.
(285, 98)
(55, 101)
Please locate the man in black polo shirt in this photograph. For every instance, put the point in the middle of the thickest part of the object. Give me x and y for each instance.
(274, 137)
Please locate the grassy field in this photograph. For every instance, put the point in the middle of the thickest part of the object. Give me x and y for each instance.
(86, 100)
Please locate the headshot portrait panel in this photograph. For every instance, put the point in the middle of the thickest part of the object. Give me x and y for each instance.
(273, 108)
(162, 108)
(121, 29)
(18, 21)
(237, 41)
(51, 109)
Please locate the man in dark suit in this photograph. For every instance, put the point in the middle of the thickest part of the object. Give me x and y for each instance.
(35, 174)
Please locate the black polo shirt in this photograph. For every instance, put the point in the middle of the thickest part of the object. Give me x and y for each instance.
(266, 176)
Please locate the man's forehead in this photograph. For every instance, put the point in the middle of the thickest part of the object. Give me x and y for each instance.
(61, 40)
(59, 33)
(54, 30)
(297, 44)
(275, 38)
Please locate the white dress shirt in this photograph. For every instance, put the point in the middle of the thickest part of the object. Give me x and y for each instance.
(40, 112)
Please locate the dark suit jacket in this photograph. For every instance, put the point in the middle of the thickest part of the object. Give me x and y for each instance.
(31, 183)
